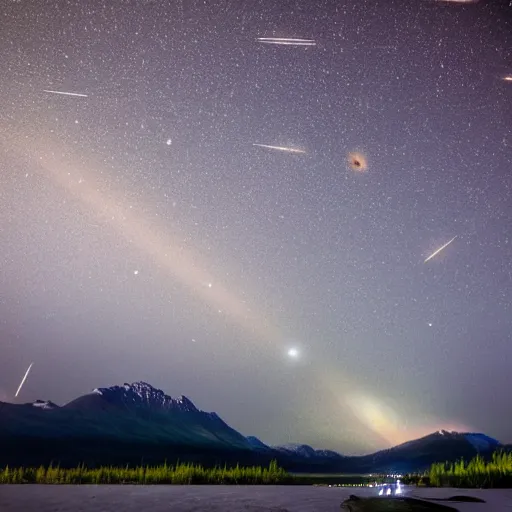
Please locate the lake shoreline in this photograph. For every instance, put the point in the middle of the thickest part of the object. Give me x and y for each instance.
(189, 498)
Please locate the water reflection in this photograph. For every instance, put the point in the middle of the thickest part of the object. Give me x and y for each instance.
(390, 489)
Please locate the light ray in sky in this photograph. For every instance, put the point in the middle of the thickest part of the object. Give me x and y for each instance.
(181, 263)
(437, 251)
(24, 379)
(281, 148)
(67, 93)
(167, 251)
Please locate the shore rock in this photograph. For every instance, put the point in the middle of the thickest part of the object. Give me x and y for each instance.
(392, 504)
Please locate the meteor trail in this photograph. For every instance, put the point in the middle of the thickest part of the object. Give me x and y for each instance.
(286, 41)
(437, 251)
(24, 379)
(280, 148)
(66, 93)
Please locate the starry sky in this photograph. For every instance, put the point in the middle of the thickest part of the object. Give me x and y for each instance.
(146, 235)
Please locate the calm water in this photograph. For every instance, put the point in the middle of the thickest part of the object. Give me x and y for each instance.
(129, 498)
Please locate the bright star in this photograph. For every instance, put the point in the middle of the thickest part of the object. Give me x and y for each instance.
(293, 352)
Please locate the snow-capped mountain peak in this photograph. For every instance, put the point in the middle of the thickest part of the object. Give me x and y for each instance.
(302, 450)
(142, 394)
(185, 404)
(44, 404)
(478, 440)
(306, 451)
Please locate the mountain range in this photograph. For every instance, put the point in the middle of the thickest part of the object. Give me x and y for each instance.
(137, 423)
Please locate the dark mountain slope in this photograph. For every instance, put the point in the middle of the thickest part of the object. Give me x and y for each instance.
(124, 419)
(421, 453)
(137, 423)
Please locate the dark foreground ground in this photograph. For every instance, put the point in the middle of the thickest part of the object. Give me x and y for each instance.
(129, 498)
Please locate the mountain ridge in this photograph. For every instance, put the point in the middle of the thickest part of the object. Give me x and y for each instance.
(140, 420)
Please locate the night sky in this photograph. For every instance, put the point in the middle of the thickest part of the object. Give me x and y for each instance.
(144, 235)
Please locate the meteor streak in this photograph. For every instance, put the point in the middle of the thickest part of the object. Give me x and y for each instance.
(280, 148)
(24, 379)
(66, 93)
(437, 251)
(286, 41)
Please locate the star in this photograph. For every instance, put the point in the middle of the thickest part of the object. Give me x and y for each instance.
(293, 353)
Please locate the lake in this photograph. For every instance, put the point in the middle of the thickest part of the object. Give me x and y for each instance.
(131, 498)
